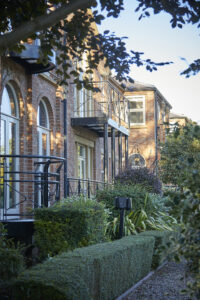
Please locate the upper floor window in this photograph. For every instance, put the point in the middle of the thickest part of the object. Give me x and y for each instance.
(42, 116)
(9, 105)
(137, 110)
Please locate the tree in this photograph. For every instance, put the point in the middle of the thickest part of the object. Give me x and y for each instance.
(180, 165)
(65, 26)
(180, 156)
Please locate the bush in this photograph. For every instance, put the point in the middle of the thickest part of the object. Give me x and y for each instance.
(142, 176)
(102, 271)
(11, 261)
(74, 222)
(136, 192)
(161, 246)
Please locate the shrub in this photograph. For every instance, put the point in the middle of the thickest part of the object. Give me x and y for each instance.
(11, 261)
(161, 246)
(142, 176)
(72, 223)
(98, 272)
(136, 192)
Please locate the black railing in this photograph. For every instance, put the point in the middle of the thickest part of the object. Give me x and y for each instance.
(85, 187)
(27, 182)
(106, 101)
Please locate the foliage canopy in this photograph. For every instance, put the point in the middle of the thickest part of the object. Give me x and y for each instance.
(65, 26)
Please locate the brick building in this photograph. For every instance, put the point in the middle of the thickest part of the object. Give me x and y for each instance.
(149, 111)
(54, 144)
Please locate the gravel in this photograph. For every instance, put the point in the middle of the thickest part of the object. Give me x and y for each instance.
(165, 284)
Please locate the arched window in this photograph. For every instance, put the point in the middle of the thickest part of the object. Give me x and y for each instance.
(136, 160)
(9, 144)
(43, 128)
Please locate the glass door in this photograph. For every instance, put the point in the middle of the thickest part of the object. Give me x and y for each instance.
(82, 166)
(43, 132)
(9, 145)
(9, 194)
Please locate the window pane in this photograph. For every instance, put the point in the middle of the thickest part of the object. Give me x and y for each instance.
(136, 104)
(136, 117)
(42, 115)
(8, 103)
(12, 165)
(44, 144)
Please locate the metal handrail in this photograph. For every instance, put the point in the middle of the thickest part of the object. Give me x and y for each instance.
(86, 187)
(121, 103)
(38, 184)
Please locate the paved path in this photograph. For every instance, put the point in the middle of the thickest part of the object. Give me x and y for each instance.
(164, 284)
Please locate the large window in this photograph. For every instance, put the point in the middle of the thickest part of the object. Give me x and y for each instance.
(43, 129)
(137, 110)
(83, 98)
(9, 144)
(84, 161)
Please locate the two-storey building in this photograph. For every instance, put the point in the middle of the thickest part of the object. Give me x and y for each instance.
(149, 114)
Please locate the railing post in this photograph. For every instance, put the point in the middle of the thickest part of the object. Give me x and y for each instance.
(58, 184)
(120, 150)
(126, 151)
(37, 177)
(4, 189)
(79, 187)
(67, 187)
(46, 184)
(88, 189)
(113, 151)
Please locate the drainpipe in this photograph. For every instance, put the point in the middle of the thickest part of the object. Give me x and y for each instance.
(65, 146)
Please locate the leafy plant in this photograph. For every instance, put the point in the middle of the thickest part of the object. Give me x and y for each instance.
(142, 176)
(140, 220)
(180, 165)
(134, 191)
(74, 222)
(11, 262)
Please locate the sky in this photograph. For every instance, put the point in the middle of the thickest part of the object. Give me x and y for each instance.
(159, 42)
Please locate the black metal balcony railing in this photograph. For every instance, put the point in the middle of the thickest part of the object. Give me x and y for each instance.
(29, 57)
(107, 101)
(27, 182)
(85, 187)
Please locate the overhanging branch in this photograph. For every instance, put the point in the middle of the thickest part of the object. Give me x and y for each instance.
(42, 22)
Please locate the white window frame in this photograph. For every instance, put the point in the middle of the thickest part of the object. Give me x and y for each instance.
(43, 130)
(137, 98)
(10, 119)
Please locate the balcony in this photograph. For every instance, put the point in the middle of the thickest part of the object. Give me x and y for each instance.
(28, 182)
(28, 59)
(106, 106)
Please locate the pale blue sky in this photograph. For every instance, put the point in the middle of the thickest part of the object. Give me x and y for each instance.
(155, 37)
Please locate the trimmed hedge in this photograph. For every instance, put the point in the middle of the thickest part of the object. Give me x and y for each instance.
(99, 272)
(73, 223)
(162, 243)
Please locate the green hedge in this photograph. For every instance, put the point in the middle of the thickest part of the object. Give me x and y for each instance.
(11, 259)
(98, 272)
(136, 192)
(161, 247)
(71, 224)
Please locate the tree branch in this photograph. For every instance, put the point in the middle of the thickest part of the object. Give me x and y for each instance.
(42, 22)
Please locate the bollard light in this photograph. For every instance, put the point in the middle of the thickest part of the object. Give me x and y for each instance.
(122, 203)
